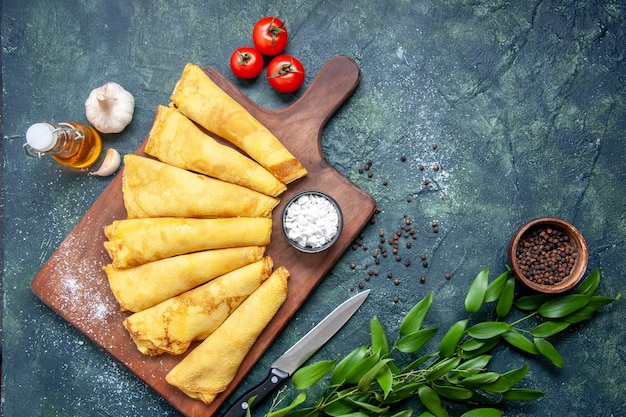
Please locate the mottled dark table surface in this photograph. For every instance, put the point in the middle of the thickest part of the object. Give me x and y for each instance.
(524, 100)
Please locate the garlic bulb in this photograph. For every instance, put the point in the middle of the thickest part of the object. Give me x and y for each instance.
(110, 164)
(110, 108)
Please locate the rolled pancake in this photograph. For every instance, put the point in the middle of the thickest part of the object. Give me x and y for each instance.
(152, 188)
(171, 326)
(134, 242)
(176, 140)
(143, 286)
(212, 365)
(200, 99)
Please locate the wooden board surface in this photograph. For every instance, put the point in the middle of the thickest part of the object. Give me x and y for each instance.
(73, 284)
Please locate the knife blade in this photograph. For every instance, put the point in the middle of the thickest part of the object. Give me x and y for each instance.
(299, 353)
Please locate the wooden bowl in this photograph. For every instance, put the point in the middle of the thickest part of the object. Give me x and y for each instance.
(524, 267)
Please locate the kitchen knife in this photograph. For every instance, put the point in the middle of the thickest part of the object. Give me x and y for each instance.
(296, 355)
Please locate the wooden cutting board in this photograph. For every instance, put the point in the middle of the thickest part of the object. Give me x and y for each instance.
(73, 284)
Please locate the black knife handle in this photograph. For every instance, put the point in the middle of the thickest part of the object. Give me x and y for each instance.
(275, 377)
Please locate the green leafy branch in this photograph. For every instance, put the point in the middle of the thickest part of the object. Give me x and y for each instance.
(370, 381)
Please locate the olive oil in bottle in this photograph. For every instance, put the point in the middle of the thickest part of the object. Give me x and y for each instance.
(71, 144)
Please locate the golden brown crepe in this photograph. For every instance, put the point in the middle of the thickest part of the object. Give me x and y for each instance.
(176, 140)
(171, 326)
(143, 286)
(201, 100)
(212, 365)
(134, 242)
(154, 189)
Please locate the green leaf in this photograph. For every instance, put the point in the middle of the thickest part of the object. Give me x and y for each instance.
(453, 392)
(379, 337)
(506, 298)
(345, 366)
(442, 368)
(520, 341)
(585, 313)
(522, 394)
(488, 329)
(308, 375)
(495, 287)
(385, 380)
(340, 407)
(548, 350)
(448, 343)
(600, 300)
(472, 344)
(486, 346)
(414, 341)
(499, 386)
(549, 328)
(431, 401)
(476, 293)
(481, 378)
(483, 412)
(417, 363)
(414, 319)
(474, 365)
(590, 284)
(369, 376)
(516, 375)
(405, 413)
(562, 306)
(370, 407)
(284, 411)
(361, 368)
(426, 414)
(532, 302)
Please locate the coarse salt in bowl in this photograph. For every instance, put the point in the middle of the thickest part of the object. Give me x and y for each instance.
(312, 221)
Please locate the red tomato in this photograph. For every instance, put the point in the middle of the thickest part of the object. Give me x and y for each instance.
(246, 62)
(269, 36)
(285, 73)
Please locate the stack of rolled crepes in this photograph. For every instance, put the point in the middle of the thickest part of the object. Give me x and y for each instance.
(189, 260)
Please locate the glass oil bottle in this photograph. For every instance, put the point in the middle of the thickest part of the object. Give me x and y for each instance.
(71, 144)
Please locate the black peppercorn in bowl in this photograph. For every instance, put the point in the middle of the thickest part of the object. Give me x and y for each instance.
(549, 255)
(312, 221)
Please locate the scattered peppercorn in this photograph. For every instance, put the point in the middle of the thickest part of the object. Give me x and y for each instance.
(435, 230)
(385, 182)
(396, 299)
(403, 158)
(447, 276)
(423, 256)
(426, 181)
(409, 199)
(421, 167)
(408, 245)
(352, 265)
(436, 167)
(370, 175)
(396, 281)
(425, 264)
(361, 285)
(422, 279)
(407, 262)
(434, 146)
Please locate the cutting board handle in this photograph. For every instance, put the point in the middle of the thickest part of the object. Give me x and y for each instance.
(332, 86)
